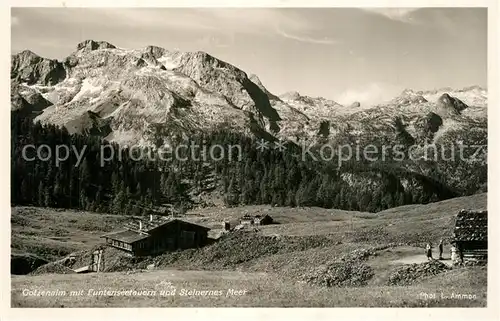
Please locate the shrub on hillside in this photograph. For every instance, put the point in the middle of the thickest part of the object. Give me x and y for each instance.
(409, 274)
(340, 274)
(237, 248)
(348, 270)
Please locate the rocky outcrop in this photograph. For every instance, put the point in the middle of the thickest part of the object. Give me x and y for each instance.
(151, 54)
(70, 61)
(450, 105)
(219, 76)
(291, 95)
(35, 99)
(314, 108)
(409, 97)
(428, 125)
(89, 45)
(402, 135)
(324, 129)
(355, 104)
(90, 123)
(27, 67)
(27, 101)
(18, 103)
(256, 80)
(155, 52)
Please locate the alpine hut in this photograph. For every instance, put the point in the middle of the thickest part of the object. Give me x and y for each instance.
(471, 236)
(142, 238)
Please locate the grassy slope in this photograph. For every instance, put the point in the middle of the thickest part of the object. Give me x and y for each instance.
(314, 221)
(53, 234)
(346, 231)
(37, 230)
(261, 290)
(408, 224)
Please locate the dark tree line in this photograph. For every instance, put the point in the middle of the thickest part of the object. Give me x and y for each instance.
(136, 187)
(127, 186)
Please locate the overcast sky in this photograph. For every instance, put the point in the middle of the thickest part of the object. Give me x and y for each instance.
(338, 53)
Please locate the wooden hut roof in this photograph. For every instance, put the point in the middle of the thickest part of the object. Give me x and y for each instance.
(127, 236)
(133, 233)
(147, 225)
(257, 216)
(471, 226)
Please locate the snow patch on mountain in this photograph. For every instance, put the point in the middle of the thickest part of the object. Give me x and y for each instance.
(170, 61)
(88, 89)
(148, 94)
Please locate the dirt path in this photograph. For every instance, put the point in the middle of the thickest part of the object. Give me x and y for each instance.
(417, 259)
(410, 259)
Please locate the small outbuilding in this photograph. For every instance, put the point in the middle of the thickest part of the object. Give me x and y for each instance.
(471, 236)
(256, 220)
(263, 220)
(246, 220)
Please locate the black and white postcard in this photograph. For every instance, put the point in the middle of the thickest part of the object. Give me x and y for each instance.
(310, 157)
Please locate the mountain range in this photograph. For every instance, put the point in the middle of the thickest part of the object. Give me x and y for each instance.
(136, 96)
(151, 95)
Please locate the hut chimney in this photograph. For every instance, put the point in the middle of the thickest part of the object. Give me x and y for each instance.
(151, 217)
(140, 225)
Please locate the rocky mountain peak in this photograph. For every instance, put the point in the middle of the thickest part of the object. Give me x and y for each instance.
(253, 78)
(88, 45)
(295, 97)
(445, 98)
(155, 51)
(30, 68)
(408, 92)
(141, 92)
(291, 95)
(203, 55)
(204, 62)
(409, 97)
(219, 76)
(448, 102)
(26, 54)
